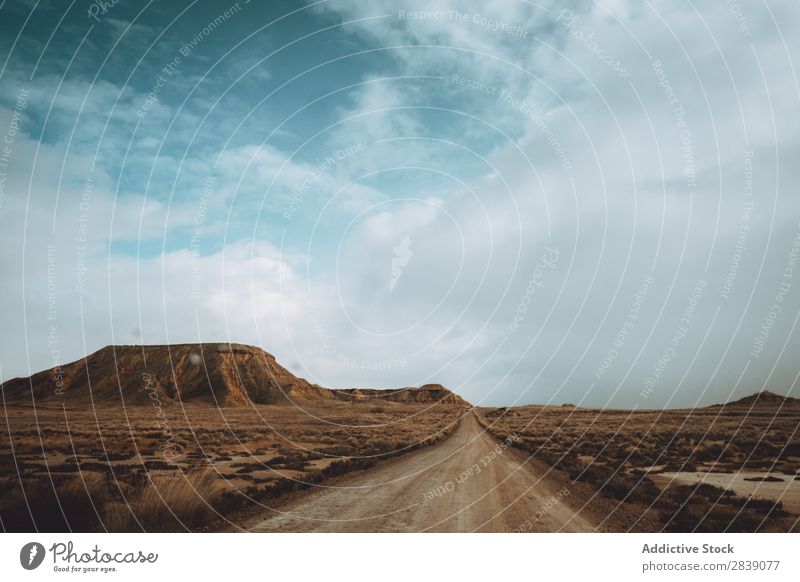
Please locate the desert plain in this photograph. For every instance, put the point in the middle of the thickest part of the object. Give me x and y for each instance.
(222, 438)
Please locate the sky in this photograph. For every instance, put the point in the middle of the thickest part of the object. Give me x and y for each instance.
(527, 202)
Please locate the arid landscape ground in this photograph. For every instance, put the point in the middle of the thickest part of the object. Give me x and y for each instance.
(110, 471)
(719, 468)
(220, 437)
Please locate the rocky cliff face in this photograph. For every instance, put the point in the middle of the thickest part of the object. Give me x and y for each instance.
(217, 374)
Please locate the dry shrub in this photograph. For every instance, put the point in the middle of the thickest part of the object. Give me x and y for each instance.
(178, 503)
(707, 508)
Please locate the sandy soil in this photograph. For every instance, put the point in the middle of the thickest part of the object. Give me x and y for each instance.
(469, 482)
(787, 490)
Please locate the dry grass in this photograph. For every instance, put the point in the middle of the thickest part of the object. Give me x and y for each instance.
(616, 451)
(167, 504)
(191, 468)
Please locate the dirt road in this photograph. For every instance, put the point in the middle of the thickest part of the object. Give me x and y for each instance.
(469, 482)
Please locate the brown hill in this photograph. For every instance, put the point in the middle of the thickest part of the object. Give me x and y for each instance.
(763, 399)
(222, 374)
(226, 374)
(426, 394)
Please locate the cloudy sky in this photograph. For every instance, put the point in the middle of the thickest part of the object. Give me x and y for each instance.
(593, 203)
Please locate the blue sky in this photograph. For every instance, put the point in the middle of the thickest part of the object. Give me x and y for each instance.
(563, 176)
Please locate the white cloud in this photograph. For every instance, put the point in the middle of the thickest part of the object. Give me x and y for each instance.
(480, 208)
